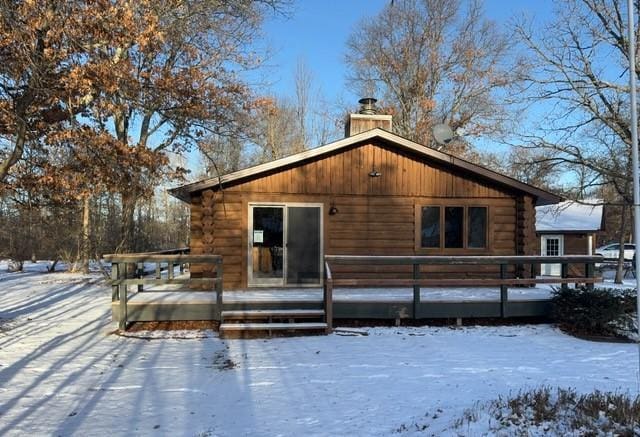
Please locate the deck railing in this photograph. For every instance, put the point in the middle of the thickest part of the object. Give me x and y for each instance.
(128, 270)
(506, 277)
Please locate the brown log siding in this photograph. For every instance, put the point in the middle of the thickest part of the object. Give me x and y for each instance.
(376, 215)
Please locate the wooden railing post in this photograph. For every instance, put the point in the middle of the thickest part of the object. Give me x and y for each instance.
(564, 273)
(533, 271)
(328, 298)
(325, 284)
(589, 272)
(504, 291)
(416, 290)
(122, 322)
(219, 300)
(140, 273)
(115, 289)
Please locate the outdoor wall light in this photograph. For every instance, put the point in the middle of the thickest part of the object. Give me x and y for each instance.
(375, 173)
(333, 210)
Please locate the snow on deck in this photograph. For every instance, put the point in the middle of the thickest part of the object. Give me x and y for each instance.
(62, 372)
(479, 294)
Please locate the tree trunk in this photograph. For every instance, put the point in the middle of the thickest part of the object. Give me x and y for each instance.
(30, 229)
(18, 149)
(621, 241)
(112, 226)
(85, 245)
(128, 224)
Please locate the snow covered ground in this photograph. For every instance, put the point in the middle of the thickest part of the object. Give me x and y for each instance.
(64, 372)
(608, 276)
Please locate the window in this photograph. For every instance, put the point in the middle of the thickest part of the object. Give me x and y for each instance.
(553, 247)
(431, 226)
(477, 230)
(452, 227)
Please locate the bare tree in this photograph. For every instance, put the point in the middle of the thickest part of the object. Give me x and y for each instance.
(276, 127)
(303, 81)
(276, 132)
(534, 167)
(327, 120)
(222, 155)
(578, 70)
(433, 61)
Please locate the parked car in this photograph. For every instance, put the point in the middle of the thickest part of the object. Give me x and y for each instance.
(611, 251)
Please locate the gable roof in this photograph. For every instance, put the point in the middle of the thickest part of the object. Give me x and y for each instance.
(184, 192)
(569, 216)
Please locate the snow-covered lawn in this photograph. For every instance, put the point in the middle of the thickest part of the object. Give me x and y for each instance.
(63, 372)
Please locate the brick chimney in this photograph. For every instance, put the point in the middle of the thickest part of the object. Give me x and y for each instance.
(367, 118)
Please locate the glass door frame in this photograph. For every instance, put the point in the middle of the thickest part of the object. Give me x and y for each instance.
(264, 282)
(277, 282)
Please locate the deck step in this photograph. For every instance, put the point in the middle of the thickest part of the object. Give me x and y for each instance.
(263, 314)
(271, 326)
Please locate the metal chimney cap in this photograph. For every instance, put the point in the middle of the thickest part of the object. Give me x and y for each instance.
(368, 106)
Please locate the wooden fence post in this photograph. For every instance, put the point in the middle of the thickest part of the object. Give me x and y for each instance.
(416, 291)
(504, 291)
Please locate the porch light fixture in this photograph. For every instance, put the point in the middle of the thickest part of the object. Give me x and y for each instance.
(333, 210)
(375, 173)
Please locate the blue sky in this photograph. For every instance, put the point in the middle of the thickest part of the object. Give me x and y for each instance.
(316, 32)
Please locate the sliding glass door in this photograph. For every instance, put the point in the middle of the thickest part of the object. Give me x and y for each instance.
(285, 244)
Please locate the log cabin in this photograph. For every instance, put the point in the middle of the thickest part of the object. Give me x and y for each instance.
(370, 193)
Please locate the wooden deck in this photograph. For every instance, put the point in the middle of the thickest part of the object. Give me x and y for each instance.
(171, 294)
(347, 303)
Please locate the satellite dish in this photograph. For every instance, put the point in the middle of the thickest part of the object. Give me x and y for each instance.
(442, 133)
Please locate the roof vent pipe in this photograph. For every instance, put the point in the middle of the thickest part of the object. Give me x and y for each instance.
(368, 106)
